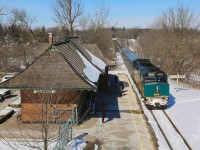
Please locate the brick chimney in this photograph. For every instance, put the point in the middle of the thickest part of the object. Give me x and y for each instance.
(50, 38)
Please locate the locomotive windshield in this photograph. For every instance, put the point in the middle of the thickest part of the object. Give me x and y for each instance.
(149, 79)
(161, 77)
(155, 77)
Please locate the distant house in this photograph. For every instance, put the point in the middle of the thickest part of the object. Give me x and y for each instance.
(61, 82)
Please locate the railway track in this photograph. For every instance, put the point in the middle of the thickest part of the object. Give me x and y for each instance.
(170, 132)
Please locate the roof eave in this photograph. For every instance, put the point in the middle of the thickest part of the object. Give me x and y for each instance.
(57, 89)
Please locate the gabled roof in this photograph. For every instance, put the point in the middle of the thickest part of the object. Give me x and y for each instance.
(78, 61)
(50, 71)
(90, 56)
(64, 65)
(93, 48)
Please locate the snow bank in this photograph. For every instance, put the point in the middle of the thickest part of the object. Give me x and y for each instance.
(16, 110)
(185, 113)
(8, 109)
(7, 143)
(16, 102)
(76, 144)
(4, 112)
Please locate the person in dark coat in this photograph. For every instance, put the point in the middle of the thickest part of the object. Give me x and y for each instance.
(116, 79)
(103, 111)
(121, 88)
(122, 85)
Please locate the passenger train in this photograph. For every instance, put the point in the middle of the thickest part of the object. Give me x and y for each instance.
(150, 80)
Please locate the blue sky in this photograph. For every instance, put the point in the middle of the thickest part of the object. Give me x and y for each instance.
(126, 13)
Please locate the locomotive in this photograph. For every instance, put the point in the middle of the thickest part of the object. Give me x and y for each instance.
(150, 80)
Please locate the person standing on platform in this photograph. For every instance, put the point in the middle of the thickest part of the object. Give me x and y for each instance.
(103, 111)
(121, 88)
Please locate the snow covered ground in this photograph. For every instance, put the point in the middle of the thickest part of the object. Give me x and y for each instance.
(16, 102)
(8, 108)
(185, 113)
(183, 110)
(13, 144)
(75, 144)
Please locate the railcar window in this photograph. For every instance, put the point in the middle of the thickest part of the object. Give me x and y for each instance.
(160, 74)
(151, 74)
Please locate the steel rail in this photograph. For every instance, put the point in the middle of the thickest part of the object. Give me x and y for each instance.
(175, 128)
(161, 130)
(186, 143)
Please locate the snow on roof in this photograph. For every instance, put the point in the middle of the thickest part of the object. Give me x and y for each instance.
(96, 61)
(90, 71)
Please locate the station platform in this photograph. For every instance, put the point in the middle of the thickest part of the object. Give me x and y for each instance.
(125, 126)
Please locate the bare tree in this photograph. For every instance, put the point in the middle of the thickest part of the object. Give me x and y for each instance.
(3, 10)
(100, 17)
(181, 18)
(67, 13)
(21, 18)
(172, 43)
(95, 22)
(85, 31)
(94, 29)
